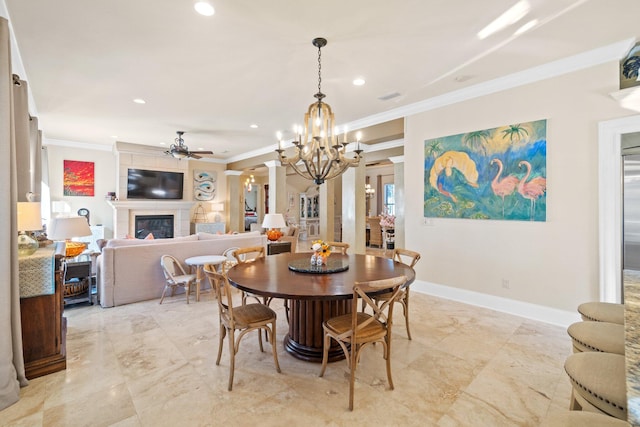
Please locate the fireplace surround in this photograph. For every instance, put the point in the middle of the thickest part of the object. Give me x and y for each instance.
(125, 212)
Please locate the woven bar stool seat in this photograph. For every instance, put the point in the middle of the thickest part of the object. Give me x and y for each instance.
(597, 336)
(602, 312)
(582, 419)
(599, 383)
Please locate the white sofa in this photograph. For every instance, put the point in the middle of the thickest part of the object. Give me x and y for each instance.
(128, 270)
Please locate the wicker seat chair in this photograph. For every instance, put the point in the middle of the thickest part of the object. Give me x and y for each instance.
(354, 331)
(409, 258)
(176, 276)
(338, 247)
(244, 318)
(375, 231)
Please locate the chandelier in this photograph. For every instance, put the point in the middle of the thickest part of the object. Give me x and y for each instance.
(319, 153)
(248, 183)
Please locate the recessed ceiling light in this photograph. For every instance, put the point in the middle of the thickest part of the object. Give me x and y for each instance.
(526, 27)
(204, 8)
(162, 143)
(253, 126)
(358, 81)
(114, 136)
(139, 101)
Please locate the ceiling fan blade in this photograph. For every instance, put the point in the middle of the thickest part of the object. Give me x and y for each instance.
(194, 156)
(202, 152)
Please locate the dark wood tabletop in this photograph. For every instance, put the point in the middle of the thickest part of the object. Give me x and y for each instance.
(313, 297)
(271, 276)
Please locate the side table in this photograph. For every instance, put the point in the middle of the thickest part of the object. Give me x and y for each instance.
(274, 248)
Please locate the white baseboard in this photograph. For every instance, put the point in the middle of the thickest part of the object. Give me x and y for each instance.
(527, 310)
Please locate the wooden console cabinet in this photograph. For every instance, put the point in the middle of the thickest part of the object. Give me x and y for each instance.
(44, 328)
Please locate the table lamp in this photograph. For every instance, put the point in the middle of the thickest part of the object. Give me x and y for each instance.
(29, 219)
(67, 228)
(273, 221)
(216, 208)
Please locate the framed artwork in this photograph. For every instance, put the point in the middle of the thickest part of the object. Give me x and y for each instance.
(204, 185)
(78, 179)
(497, 173)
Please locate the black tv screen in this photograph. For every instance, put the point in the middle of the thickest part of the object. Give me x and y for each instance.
(148, 184)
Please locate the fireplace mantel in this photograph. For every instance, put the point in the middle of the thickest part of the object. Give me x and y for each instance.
(124, 212)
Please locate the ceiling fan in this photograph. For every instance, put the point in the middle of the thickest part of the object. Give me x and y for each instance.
(181, 151)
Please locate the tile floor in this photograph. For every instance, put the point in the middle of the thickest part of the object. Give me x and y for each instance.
(147, 364)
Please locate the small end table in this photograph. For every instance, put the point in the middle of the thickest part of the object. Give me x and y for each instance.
(274, 248)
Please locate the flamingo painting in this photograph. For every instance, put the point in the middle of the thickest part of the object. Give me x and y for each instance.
(532, 189)
(505, 186)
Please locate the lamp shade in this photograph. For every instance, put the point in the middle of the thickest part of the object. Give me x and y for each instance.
(29, 216)
(67, 228)
(273, 221)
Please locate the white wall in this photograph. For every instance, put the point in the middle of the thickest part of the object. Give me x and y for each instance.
(552, 263)
(106, 178)
(105, 181)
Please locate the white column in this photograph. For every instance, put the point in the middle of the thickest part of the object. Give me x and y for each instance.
(277, 187)
(327, 210)
(398, 182)
(353, 209)
(236, 201)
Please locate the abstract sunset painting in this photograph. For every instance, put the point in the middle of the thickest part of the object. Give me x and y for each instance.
(78, 178)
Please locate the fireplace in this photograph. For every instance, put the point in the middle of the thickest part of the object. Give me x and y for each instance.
(161, 226)
(126, 211)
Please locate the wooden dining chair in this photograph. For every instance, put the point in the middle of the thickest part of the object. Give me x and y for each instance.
(244, 319)
(409, 258)
(338, 247)
(175, 276)
(375, 231)
(247, 255)
(354, 331)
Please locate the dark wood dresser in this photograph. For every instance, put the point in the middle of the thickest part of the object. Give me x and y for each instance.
(44, 328)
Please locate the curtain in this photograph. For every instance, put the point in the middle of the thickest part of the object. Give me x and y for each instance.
(11, 359)
(35, 158)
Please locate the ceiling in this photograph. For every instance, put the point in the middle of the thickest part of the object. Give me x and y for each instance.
(253, 61)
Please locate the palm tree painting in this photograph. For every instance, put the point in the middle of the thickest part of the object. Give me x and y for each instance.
(497, 173)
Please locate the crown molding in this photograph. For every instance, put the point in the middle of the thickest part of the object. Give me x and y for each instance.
(76, 144)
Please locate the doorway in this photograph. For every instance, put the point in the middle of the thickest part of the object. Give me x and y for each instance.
(610, 204)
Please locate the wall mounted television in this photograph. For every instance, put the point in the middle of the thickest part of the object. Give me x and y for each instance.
(150, 184)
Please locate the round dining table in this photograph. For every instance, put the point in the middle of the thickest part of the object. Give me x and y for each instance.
(314, 296)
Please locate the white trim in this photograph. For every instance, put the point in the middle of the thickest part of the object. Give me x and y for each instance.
(610, 204)
(591, 58)
(383, 145)
(517, 308)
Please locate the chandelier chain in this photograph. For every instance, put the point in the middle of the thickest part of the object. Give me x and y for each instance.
(319, 69)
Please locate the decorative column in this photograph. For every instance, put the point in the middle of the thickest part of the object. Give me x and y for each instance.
(398, 182)
(326, 200)
(353, 209)
(236, 201)
(277, 187)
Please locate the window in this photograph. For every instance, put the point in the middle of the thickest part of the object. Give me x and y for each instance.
(389, 200)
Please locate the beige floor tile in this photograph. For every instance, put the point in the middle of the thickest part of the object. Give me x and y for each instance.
(147, 364)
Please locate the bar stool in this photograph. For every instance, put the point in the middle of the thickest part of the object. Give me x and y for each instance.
(602, 312)
(599, 383)
(597, 336)
(582, 419)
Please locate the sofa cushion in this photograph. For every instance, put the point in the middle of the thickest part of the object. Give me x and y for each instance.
(114, 243)
(208, 236)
